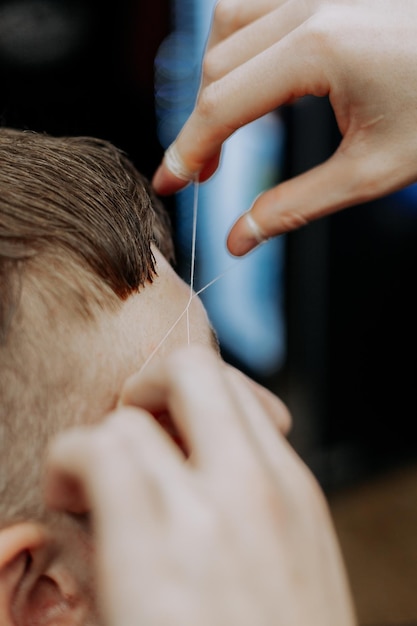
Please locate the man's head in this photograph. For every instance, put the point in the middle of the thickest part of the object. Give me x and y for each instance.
(87, 293)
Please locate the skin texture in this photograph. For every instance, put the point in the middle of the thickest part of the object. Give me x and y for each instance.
(46, 573)
(235, 532)
(262, 54)
(240, 511)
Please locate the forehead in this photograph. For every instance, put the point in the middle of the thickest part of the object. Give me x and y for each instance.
(74, 373)
(165, 315)
(87, 363)
(150, 324)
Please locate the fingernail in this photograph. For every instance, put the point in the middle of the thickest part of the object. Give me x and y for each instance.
(165, 182)
(256, 231)
(245, 245)
(173, 161)
(246, 235)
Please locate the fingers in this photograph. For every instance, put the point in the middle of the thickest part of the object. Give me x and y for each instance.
(262, 55)
(228, 422)
(66, 466)
(167, 528)
(151, 391)
(297, 202)
(274, 457)
(243, 95)
(190, 384)
(274, 408)
(253, 38)
(169, 179)
(132, 477)
(232, 15)
(95, 467)
(353, 175)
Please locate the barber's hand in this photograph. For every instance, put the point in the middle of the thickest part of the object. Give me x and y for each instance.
(236, 533)
(265, 53)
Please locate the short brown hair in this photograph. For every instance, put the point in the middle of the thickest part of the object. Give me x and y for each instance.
(77, 222)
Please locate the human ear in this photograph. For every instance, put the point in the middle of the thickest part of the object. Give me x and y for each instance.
(36, 587)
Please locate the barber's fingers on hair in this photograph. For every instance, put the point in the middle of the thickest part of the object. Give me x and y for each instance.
(249, 91)
(116, 468)
(209, 403)
(165, 181)
(190, 384)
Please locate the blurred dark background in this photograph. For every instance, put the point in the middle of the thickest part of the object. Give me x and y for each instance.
(83, 67)
(352, 367)
(87, 67)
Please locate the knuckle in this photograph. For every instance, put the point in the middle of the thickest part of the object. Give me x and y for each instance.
(227, 15)
(318, 33)
(212, 66)
(208, 103)
(323, 28)
(291, 220)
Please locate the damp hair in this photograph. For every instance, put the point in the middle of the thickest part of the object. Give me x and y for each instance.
(80, 197)
(77, 227)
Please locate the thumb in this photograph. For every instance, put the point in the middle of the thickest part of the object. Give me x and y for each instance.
(340, 182)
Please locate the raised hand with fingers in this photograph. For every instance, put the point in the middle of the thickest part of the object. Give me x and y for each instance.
(263, 54)
(234, 531)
